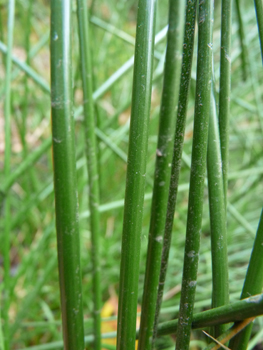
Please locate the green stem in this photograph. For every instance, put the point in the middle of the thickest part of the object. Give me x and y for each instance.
(188, 48)
(244, 58)
(253, 284)
(237, 311)
(196, 192)
(7, 171)
(259, 13)
(137, 155)
(224, 89)
(91, 153)
(162, 172)
(220, 294)
(65, 176)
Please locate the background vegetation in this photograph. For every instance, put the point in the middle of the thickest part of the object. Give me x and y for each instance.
(35, 316)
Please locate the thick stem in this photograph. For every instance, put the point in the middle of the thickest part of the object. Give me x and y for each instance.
(134, 196)
(65, 176)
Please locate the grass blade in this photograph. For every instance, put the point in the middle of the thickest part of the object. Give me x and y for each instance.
(162, 172)
(65, 176)
(225, 337)
(133, 210)
(91, 153)
(199, 151)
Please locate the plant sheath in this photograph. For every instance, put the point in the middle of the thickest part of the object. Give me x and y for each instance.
(198, 166)
(137, 155)
(65, 176)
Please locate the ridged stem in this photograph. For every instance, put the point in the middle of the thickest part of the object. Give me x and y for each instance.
(188, 49)
(65, 176)
(224, 88)
(7, 172)
(137, 155)
(198, 167)
(253, 284)
(162, 172)
(91, 153)
(220, 294)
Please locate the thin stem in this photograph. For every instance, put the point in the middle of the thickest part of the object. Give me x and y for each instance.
(65, 176)
(253, 284)
(91, 153)
(162, 172)
(188, 49)
(220, 294)
(196, 192)
(244, 58)
(259, 13)
(224, 89)
(230, 333)
(7, 171)
(137, 155)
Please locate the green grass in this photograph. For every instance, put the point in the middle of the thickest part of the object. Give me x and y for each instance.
(32, 316)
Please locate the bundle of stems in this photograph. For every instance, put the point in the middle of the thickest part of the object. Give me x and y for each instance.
(209, 166)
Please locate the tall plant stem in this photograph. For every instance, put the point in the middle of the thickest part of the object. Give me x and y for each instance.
(65, 176)
(220, 295)
(253, 284)
(91, 153)
(188, 48)
(7, 171)
(162, 172)
(244, 56)
(133, 209)
(26, 91)
(196, 192)
(259, 13)
(224, 89)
